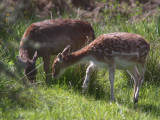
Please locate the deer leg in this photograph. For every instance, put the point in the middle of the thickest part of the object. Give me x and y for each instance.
(136, 76)
(46, 60)
(87, 77)
(141, 68)
(111, 78)
(140, 73)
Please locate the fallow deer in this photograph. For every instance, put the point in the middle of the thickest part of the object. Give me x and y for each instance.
(126, 51)
(49, 37)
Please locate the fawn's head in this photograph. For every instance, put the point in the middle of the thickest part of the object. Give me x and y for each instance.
(29, 67)
(59, 63)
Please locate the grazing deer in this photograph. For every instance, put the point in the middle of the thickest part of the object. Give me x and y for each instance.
(49, 37)
(124, 51)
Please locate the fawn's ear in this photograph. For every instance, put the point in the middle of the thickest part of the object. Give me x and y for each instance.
(66, 51)
(35, 56)
(60, 57)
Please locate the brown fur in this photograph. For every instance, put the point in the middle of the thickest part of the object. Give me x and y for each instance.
(49, 37)
(103, 46)
(125, 51)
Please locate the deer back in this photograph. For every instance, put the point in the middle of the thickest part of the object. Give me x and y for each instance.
(55, 35)
(120, 45)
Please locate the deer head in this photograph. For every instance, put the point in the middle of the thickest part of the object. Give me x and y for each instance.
(58, 66)
(29, 66)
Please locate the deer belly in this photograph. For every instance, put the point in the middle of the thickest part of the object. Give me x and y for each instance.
(124, 63)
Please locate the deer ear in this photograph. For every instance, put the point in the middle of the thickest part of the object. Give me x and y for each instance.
(35, 56)
(66, 51)
(60, 57)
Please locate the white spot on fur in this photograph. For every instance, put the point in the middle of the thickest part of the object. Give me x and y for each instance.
(143, 46)
(125, 53)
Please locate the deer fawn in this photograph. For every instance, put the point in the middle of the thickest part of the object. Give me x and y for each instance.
(124, 51)
(49, 37)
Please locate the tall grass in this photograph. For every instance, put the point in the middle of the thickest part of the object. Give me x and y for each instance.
(64, 99)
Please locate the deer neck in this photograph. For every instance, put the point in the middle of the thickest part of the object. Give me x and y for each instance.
(78, 57)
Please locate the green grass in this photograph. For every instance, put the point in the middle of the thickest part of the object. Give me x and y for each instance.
(64, 99)
(62, 103)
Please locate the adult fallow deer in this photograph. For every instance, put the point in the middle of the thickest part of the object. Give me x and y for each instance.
(49, 37)
(126, 51)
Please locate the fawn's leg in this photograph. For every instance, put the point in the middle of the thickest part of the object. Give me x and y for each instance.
(141, 69)
(87, 77)
(136, 76)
